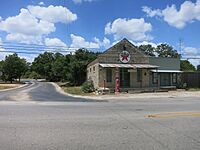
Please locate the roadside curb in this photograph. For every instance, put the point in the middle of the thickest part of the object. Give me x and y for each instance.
(60, 90)
(130, 96)
(14, 88)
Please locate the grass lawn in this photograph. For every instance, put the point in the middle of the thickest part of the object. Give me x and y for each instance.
(76, 90)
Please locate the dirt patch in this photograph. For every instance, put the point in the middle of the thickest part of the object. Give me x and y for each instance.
(8, 86)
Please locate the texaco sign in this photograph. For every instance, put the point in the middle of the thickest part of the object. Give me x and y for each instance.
(124, 57)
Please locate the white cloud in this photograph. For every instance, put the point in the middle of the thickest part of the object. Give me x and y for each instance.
(33, 24)
(26, 28)
(190, 51)
(150, 12)
(53, 14)
(188, 12)
(105, 43)
(2, 54)
(26, 24)
(195, 62)
(133, 29)
(80, 42)
(41, 3)
(54, 42)
(145, 43)
(22, 38)
(80, 1)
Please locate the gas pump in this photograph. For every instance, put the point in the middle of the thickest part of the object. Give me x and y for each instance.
(117, 85)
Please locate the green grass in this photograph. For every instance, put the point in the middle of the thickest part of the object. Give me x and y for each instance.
(76, 90)
(194, 89)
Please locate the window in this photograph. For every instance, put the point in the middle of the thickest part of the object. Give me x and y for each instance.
(139, 75)
(108, 75)
(174, 78)
(155, 77)
(90, 70)
(94, 68)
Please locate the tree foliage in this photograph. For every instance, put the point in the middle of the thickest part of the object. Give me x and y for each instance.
(187, 66)
(59, 67)
(13, 67)
(198, 67)
(162, 50)
(165, 50)
(147, 49)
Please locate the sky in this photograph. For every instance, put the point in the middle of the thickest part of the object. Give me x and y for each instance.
(98, 24)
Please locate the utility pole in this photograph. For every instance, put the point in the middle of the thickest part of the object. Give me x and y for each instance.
(180, 46)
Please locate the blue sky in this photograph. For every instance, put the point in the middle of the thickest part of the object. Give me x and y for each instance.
(97, 24)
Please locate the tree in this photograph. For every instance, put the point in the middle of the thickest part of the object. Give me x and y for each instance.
(165, 50)
(147, 49)
(14, 67)
(59, 67)
(78, 65)
(43, 64)
(198, 67)
(1, 70)
(187, 66)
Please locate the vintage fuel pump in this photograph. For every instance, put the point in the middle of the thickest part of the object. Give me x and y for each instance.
(116, 85)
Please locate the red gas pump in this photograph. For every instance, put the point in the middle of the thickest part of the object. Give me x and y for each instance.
(116, 85)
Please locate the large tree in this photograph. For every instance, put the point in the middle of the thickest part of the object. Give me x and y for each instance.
(43, 64)
(165, 50)
(78, 65)
(198, 67)
(59, 67)
(147, 49)
(14, 67)
(187, 66)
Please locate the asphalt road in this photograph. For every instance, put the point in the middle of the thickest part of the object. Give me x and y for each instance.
(38, 91)
(47, 120)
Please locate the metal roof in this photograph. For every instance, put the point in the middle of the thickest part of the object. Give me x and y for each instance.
(167, 71)
(128, 66)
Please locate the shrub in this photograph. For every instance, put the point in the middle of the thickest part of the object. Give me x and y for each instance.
(88, 87)
(34, 75)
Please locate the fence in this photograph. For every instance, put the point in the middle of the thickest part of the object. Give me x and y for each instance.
(191, 78)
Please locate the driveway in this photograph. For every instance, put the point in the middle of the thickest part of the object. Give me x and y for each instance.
(38, 91)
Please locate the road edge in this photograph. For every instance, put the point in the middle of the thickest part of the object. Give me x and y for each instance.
(133, 96)
(60, 90)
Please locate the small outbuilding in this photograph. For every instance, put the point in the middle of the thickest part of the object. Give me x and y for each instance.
(126, 65)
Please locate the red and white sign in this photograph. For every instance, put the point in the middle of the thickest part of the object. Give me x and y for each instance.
(124, 57)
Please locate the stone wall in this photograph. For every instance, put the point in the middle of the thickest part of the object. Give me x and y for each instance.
(93, 74)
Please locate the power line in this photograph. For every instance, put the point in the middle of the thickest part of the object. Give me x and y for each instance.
(41, 46)
(19, 52)
(8, 47)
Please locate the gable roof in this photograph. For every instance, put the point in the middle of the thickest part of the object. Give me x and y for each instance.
(114, 51)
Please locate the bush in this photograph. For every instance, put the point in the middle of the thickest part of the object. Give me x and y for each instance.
(88, 87)
(34, 75)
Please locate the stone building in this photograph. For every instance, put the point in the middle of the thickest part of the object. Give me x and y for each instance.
(132, 68)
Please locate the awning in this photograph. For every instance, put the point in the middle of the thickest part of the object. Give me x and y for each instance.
(166, 71)
(128, 66)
